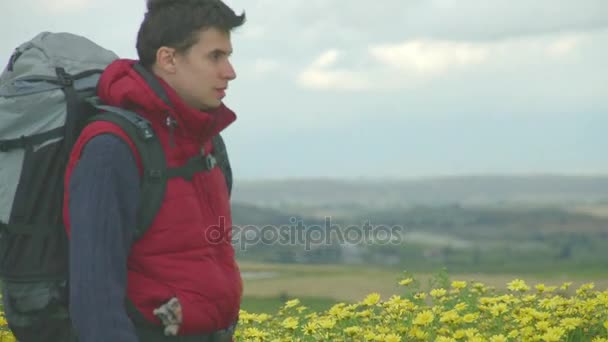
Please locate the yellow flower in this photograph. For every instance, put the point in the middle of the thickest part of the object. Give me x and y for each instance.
(438, 293)
(406, 281)
(392, 338)
(518, 285)
(540, 287)
(541, 316)
(553, 334)
(443, 331)
(384, 330)
(310, 328)
(445, 339)
(326, 323)
(470, 317)
(353, 331)
(600, 339)
(571, 323)
(498, 309)
(479, 286)
(290, 323)
(364, 313)
(470, 332)
(459, 284)
(420, 295)
(606, 325)
(419, 334)
(254, 333)
(585, 288)
(311, 316)
(339, 311)
(460, 306)
(261, 318)
(459, 334)
(424, 318)
(542, 325)
(370, 336)
(371, 299)
(402, 329)
(550, 289)
(291, 303)
(566, 285)
(449, 317)
(245, 317)
(529, 298)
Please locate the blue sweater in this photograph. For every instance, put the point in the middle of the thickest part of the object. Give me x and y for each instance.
(104, 193)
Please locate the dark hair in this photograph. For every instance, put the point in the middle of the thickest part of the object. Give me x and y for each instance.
(176, 24)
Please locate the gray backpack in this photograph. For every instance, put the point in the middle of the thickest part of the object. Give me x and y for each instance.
(47, 96)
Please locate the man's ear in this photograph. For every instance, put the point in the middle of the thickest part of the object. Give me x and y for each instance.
(165, 59)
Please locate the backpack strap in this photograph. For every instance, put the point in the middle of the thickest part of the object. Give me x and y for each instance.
(221, 155)
(35, 139)
(154, 165)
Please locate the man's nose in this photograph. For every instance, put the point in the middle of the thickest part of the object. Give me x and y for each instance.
(228, 72)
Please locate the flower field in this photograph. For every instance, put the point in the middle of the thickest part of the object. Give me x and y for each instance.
(457, 310)
(450, 311)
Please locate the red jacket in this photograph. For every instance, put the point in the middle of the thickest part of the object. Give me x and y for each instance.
(179, 255)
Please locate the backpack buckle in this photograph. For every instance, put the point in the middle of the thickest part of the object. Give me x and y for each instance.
(64, 78)
(155, 174)
(210, 162)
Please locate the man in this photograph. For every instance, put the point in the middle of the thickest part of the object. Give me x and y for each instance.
(176, 279)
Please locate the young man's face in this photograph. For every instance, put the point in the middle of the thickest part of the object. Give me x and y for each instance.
(202, 73)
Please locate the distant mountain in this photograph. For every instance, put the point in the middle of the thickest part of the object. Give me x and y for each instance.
(473, 190)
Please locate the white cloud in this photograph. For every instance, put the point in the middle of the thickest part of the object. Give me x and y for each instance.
(429, 56)
(415, 63)
(326, 59)
(320, 74)
(333, 79)
(432, 58)
(565, 45)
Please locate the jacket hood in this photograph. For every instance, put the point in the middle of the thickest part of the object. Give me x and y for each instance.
(121, 85)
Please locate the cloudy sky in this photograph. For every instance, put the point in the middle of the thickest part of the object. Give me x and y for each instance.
(391, 88)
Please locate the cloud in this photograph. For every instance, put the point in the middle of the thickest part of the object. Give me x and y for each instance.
(415, 63)
(320, 75)
(429, 56)
(333, 80)
(435, 57)
(327, 59)
(565, 45)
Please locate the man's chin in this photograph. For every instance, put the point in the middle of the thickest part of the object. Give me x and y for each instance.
(211, 106)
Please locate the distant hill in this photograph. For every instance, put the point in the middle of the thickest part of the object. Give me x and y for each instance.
(465, 238)
(468, 190)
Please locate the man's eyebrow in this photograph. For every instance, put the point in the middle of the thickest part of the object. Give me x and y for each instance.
(221, 52)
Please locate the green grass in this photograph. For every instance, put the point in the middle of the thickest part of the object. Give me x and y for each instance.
(353, 283)
(271, 305)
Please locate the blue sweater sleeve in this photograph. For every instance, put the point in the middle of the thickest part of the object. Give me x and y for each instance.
(104, 195)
